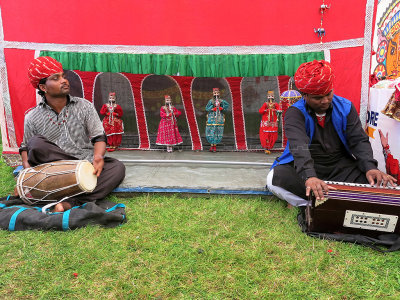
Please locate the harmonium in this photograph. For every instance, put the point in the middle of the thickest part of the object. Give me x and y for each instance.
(356, 209)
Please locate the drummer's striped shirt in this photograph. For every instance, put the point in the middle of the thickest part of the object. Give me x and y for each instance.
(75, 129)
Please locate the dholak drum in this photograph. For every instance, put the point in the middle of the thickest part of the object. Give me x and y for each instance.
(51, 182)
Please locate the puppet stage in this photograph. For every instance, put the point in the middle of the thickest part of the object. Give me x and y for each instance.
(196, 177)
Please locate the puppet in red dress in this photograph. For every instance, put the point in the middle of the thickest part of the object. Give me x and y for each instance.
(168, 133)
(269, 122)
(392, 164)
(112, 122)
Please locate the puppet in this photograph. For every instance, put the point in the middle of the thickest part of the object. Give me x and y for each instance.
(112, 122)
(168, 133)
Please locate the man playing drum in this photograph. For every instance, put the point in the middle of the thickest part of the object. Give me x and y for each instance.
(325, 141)
(63, 127)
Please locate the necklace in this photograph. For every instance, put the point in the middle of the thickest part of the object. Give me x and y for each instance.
(321, 119)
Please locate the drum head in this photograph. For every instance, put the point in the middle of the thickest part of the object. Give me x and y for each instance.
(87, 181)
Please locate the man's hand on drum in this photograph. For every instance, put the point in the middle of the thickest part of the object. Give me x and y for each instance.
(98, 157)
(377, 177)
(26, 165)
(318, 187)
(98, 164)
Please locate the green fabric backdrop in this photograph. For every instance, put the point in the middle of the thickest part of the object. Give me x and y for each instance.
(252, 65)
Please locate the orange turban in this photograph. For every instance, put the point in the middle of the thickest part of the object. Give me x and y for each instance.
(43, 67)
(315, 77)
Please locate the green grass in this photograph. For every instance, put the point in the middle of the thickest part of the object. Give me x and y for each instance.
(218, 247)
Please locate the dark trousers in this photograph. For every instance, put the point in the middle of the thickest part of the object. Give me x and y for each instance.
(41, 151)
(286, 177)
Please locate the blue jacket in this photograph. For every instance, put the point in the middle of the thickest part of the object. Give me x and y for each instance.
(340, 109)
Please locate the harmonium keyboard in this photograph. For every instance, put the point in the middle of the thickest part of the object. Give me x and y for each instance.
(357, 209)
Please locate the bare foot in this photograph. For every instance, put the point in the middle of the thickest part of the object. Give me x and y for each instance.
(289, 206)
(15, 191)
(63, 206)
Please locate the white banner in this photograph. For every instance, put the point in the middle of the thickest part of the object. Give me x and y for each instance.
(376, 121)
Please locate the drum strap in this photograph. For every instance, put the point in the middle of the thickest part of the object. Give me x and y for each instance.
(2, 205)
(65, 220)
(47, 206)
(105, 213)
(13, 219)
(115, 207)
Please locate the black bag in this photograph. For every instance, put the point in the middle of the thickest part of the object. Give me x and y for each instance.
(16, 215)
(390, 241)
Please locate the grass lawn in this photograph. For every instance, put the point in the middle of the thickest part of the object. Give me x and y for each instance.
(191, 248)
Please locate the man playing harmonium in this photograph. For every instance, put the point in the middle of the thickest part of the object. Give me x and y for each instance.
(63, 127)
(326, 142)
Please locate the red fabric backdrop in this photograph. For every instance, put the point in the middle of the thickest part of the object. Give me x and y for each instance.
(347, 64)
(17, 62)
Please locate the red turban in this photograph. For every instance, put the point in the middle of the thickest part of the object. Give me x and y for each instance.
(315, 77)
(43, 67)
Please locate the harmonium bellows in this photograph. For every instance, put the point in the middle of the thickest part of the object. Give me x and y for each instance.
(357, 209)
